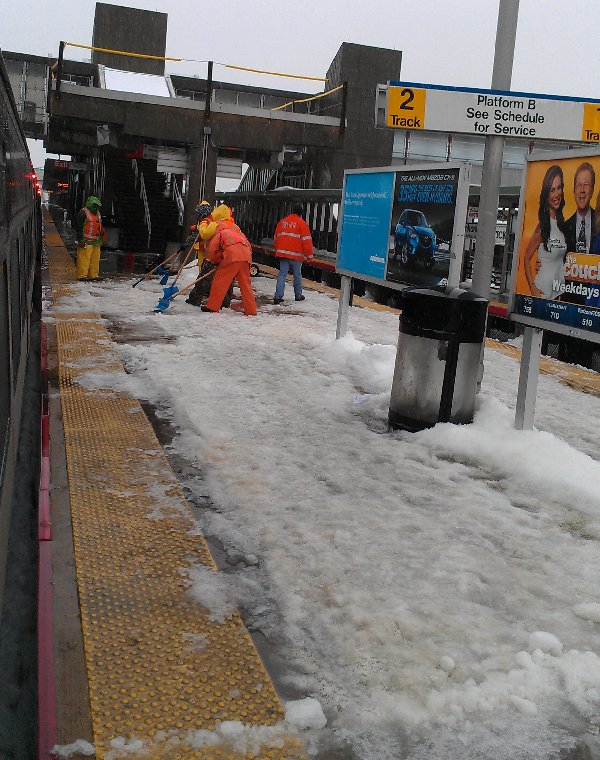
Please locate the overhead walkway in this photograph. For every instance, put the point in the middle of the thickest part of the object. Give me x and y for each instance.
(163, 677)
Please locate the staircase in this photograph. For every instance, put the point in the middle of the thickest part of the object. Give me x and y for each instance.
(129, 208)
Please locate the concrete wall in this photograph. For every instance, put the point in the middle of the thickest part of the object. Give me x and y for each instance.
(131, 30)
(364, 144)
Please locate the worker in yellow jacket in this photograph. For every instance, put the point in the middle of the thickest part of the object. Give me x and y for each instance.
(205, 229)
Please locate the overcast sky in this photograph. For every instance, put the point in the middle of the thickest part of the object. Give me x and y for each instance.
(443, 41)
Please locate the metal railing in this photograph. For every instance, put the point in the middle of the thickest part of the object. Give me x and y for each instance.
(255, 179)
(144, 197)
(258, 213)
(178, 198)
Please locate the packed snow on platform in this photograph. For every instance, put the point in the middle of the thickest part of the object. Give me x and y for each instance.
(438, 593)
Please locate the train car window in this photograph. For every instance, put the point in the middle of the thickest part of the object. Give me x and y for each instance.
(3, 180)
(5, 370)
(14, 288)
(23, 281)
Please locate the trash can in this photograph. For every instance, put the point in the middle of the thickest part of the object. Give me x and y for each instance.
(437, 362)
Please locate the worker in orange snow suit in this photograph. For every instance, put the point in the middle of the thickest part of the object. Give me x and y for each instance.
(204, 229)
(293, 246)
(230, 250)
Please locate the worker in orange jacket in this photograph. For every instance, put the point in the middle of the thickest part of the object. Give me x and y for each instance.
(90, 236)
(293, 245)
(203, 231)
(230, 250)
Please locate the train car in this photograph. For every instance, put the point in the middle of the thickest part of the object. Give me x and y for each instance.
(20, 292)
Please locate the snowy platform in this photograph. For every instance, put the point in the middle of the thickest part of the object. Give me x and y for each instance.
(413, 596)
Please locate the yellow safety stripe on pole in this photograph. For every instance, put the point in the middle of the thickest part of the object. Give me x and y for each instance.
(274, 73)
(122, 52)
(306, 100)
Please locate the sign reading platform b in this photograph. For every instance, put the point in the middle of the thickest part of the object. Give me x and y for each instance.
(492, 112)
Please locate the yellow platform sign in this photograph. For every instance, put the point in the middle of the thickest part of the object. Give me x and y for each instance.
(406, 107)
(590, 131)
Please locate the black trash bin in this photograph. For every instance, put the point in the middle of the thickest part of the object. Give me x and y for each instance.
(438, 358)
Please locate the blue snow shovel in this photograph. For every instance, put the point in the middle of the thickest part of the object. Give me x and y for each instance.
(159, 268)
(164, 275)
(168, 295)
(172, 291)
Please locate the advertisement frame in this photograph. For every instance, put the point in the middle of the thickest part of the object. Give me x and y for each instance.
(516, 316)
(459, 220)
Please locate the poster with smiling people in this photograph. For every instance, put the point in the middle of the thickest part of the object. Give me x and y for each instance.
(556, 273)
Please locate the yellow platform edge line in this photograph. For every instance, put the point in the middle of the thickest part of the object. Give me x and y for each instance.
(160, 670)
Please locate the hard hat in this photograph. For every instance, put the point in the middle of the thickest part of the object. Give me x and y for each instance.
(92, 201)
(203, 209)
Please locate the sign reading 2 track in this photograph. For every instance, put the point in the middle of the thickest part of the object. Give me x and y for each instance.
(492, 112)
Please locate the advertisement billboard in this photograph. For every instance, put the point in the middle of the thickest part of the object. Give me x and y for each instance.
(404, 226)
(556, 274)
(492, 112)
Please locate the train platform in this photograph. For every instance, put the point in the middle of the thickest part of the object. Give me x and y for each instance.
(137, 665)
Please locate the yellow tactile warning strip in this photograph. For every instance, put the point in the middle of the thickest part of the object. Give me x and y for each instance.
(318, 286)
(160, 671)
(61, 267)
(584, 380)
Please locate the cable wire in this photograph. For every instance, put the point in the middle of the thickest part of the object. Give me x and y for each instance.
(306, 100)
(193, 60)
(122, 52)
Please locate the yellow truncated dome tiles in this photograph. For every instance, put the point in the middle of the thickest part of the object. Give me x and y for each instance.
(164, 679)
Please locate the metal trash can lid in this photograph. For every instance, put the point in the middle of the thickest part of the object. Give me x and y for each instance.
(443, 309)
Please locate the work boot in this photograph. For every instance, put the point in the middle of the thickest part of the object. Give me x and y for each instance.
(205, 308)
(300, 298)
(277, 300)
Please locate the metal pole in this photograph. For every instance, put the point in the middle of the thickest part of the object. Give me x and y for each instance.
(506, 32)
(528, 378)
(343, 306)
(344, 107)
(209, 89)
(59, 68)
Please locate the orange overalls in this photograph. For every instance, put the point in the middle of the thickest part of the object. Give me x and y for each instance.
(230, 250)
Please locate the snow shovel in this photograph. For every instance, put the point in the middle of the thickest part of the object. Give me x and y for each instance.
(164, 275)
(172, 291)
(185, 261)
(160, 266)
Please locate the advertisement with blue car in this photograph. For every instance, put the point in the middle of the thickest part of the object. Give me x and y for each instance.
(404, 226)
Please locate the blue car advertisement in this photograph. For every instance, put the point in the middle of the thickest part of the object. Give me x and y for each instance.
(422, 226)
(400, 226)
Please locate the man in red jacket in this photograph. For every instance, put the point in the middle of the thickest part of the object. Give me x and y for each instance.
(293, 245)
(230, 251)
